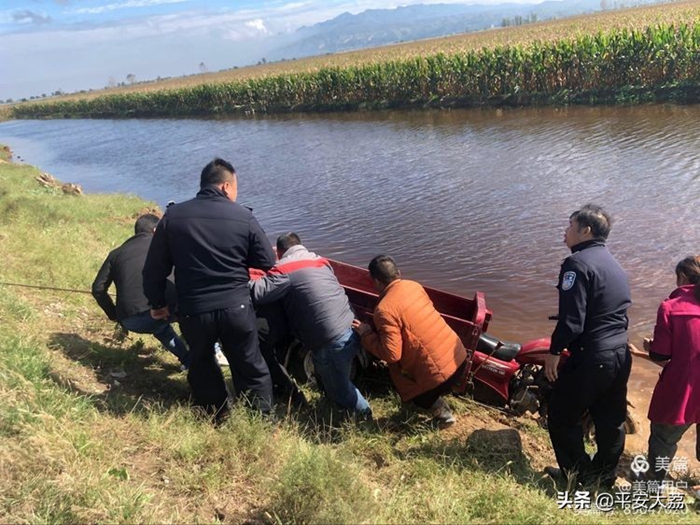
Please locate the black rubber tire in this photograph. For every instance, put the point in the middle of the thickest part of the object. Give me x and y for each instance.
(301, 366)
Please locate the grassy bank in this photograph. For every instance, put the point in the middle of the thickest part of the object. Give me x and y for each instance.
(96, 429)
(622, 65)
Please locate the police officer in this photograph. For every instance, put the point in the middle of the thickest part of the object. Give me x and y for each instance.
(594, 297)
(212, 241)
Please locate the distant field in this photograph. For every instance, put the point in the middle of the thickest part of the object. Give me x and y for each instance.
(639, 55)
(547, 31)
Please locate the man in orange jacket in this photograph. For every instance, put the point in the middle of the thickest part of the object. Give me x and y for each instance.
(425, 356)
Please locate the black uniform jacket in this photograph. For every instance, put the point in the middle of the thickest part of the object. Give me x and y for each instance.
(594, 296)
(211, 241)
(123, 267)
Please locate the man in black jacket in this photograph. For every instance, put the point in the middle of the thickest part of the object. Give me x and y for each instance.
(594, 296)
(124, 267)
(212, 241)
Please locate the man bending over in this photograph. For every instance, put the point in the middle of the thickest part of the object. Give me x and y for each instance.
(425, 356)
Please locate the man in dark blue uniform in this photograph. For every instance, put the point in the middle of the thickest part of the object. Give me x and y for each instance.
(594, 296)
(212, 241)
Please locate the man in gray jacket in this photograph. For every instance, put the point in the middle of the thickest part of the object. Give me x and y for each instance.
(319, 313)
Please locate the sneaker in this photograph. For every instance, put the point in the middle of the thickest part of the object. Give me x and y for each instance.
(442, 414)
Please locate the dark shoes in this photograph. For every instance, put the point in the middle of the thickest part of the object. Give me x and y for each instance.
(298, 400)
(555, 473)
(292, 399)
(561, 477)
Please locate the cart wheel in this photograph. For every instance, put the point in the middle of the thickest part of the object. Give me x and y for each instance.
(630, 424)
(589, 427)
(300, 364)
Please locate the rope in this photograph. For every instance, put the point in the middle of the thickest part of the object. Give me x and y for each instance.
(74, 290)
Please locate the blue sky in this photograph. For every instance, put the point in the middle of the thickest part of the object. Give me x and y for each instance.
(47, 45)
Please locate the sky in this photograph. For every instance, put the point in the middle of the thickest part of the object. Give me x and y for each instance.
(69, 45)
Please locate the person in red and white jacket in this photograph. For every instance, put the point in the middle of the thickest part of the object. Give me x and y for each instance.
(319, 314)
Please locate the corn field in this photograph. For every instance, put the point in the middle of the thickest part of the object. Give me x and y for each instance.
(659, 62)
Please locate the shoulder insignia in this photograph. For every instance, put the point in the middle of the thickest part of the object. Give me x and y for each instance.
(568, 280)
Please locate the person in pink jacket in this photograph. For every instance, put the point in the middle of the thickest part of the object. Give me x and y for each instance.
(675, 404)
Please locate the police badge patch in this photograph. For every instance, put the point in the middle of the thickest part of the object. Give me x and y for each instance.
(568, 280)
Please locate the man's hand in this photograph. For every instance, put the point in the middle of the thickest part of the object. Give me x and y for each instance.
(160, 313)
(646, 344)
(361, 328)
(551, 367)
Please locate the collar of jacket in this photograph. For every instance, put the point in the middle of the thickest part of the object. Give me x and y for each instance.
(587, 244)
(298, 251)
(386, 290)
(138, 236)
(686, 289)
(211, 191)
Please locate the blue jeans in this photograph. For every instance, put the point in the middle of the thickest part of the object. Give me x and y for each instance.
(332, 364)
(143, 323)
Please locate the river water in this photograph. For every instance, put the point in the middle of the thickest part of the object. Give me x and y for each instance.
(464, 200)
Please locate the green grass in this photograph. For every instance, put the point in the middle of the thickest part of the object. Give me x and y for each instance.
(78, 446)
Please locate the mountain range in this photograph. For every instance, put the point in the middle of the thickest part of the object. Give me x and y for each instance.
(378, 27)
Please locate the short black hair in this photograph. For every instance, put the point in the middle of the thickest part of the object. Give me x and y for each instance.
(287, 240)
(146, 223)
(383, 268)
(216, 172)
(594, 217)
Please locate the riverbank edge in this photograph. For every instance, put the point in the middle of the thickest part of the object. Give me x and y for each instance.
(677, 94)
(100, 431)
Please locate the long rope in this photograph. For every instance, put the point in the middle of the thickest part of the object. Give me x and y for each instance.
(39, 287)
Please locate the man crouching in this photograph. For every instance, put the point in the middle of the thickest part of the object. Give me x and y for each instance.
(425, 356)
(319, 314)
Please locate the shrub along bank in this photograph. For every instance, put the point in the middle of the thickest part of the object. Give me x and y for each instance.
(620, 66)
(98, 430)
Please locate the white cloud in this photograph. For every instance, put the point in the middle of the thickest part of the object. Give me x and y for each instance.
(31, 17)
(124, 5)
(249, 30)
(295, 5)
(257, 24)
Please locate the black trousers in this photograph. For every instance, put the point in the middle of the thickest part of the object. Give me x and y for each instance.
(427, 399)
(273, 331)
(596, 382)
(236, 329)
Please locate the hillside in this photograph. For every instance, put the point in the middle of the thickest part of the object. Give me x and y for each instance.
(378, 27)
